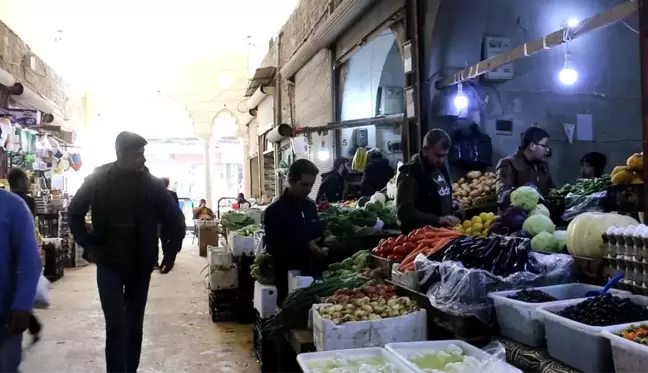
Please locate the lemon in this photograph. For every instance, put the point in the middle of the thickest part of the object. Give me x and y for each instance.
(487, 223)
(475, 234)
(468, 230)
(459, 228)
(491, 215)
(467, 224)
(483, 216)
(476, 220)
(485, 232)
(477, 227)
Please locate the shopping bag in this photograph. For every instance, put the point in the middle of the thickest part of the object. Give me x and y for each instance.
(42, 300)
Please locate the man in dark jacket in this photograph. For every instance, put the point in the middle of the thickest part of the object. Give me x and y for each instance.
(127, 205)
(377, 174)
(165, 236)
(424, 190)
(332, 187)
(292, 227)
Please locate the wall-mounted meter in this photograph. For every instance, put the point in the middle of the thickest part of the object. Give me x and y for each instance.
(360, 137)
(493, 46)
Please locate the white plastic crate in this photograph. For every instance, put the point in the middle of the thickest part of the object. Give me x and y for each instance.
(296, 281)
(576, 344)
(403, 350)
(309, 361)
(265, 300)
(628, 356)
(519, 320)
(241, 245)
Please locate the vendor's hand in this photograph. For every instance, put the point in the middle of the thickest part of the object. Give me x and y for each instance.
(18, 321)
(449, 221)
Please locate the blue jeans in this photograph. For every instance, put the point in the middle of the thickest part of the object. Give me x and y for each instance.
(123, 294)
(10, 352)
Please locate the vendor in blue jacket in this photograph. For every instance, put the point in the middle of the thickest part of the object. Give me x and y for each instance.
(20, 269)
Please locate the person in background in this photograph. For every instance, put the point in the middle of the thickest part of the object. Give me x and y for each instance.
(19, 185)
(592, 165)
(527, 166)
(20, 270)
(202, 212)
(165, 236)
(424, 190)
(332, 187)
(242, 202)
(377, 173)
(292, 227)
(127, 204)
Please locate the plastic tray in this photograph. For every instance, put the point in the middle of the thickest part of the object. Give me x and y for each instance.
(519, 321)
(304, 360)
(628, 356)
(576, 344)
(404, 349)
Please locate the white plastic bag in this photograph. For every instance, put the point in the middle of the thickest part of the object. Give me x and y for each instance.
(42, 300)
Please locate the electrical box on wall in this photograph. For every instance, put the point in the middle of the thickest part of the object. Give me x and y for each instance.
(493, 46)
(360, 137)
(391, 100)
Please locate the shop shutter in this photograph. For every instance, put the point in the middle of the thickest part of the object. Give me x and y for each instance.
(372, 20)
(253, 132)
(265, 115)
(313, 107)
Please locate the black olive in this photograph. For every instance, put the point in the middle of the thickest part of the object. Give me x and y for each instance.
(605, 310)
(532, 296)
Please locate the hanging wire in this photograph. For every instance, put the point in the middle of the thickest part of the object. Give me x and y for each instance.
(630, 27)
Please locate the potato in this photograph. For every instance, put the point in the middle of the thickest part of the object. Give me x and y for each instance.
(455, 186)
(473, 174)
(475, 193)
(461, 181)
(465, 187)
(486, 188)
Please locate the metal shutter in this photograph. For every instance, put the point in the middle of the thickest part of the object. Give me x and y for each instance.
(313, 107)
(265, 115)
(253, 132)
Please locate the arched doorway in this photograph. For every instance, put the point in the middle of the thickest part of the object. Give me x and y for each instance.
(226, 158)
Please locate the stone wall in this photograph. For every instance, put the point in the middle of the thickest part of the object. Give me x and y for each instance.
(14, 57)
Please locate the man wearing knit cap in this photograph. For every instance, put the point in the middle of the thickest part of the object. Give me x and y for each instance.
(127, 204)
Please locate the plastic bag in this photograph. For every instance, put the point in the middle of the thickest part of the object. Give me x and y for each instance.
(42, 300)
(577, 204)
(462, 291)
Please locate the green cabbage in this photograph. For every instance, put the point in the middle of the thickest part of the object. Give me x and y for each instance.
(540, 210)
(538, 223)
(526, 197)
(543, 241)
(561, 237)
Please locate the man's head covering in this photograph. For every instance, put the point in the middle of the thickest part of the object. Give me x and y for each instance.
(127, 141)
(598, 161)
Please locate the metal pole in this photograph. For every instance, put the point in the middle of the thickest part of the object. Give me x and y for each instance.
(643, 44)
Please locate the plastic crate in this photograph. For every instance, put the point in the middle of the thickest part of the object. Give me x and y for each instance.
(628, 356)
(519, 320)
(313, 358)
(576, 344)
(221, 305)
(263, 347)
(403, 350)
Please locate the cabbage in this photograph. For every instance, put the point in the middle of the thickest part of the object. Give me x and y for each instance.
(543, 241)
(526, 197)
(541, 210)
(538, 223)
(561, 238)
(378, 197)
(584, 233)
(513, 218)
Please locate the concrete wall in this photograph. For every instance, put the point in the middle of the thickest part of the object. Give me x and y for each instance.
(42, 80)
(608, 87)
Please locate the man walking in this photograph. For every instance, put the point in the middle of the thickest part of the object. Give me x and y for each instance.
(127, 205)
(165, 236)
(20, 269)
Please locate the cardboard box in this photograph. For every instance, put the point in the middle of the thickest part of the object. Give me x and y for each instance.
(207, 236)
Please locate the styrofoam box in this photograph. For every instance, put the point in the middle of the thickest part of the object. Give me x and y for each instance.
(403, 350)
(576, 344)
(219, 256)
(628, 356)
(223, 278)
(265, 300)
(519, 320)
(241, 245)
(296, 281)
(313, 358)
(357, 334)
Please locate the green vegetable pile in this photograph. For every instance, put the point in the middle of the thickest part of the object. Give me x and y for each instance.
(386, 213)
(340, 222)
(583, 187)
(348, 268)
(262, 269)
(249, 230)
(234, 220)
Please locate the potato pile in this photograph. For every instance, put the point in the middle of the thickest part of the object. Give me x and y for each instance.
(474, 186)
(631, 173)
(363, 309)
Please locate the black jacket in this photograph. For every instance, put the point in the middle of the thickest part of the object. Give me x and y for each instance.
(174, 195)
(420, 200)
(473, 151)
(376, 176)
(154, 206)
(332, 187)
(290, 224)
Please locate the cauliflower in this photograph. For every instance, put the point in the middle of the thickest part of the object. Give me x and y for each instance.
(543, 241)
(538, 223)
(561, 237)
(540, 210)
(526, 197)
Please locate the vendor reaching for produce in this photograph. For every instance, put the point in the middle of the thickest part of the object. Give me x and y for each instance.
(424, 191)
(292, 227)
(592, 165)
(332, 187)
(528, 165)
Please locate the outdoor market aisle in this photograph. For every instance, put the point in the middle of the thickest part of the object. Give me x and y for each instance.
(179, 335)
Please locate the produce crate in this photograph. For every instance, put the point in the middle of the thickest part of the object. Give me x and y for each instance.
(54, 268)
(625, 198)
(263, 347)
(244, 303)
(343, 247)
(384, 264)
(222, 304)
(628, 356)
(576, 344)
(309, 359)
(519, 320)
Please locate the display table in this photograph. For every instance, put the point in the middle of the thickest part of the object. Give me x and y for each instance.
(531, 359)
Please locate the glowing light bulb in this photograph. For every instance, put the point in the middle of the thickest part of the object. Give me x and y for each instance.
(460, 100)
(323, 155)
(572, 22)
(568, 75)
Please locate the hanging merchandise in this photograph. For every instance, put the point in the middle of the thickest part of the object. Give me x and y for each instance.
(5, 130)
(75, 161)
(23, 117)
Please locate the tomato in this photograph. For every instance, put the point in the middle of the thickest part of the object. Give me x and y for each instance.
(398, 258)
(400, 240)
(391, 240)
(409, 247)
(388, 249)
(392, 257)
(381, 242)
(400, 250)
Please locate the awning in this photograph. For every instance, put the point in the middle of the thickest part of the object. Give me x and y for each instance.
(262, 75)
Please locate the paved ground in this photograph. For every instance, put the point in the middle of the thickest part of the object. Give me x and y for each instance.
(179, 335)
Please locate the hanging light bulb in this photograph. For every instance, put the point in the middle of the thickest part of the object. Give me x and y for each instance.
(572, 22)
(568, 75)
(323, 154)
(460, 100)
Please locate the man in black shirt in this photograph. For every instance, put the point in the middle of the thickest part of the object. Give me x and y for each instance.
(127, 205)
(169, 261)
(19, 184)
